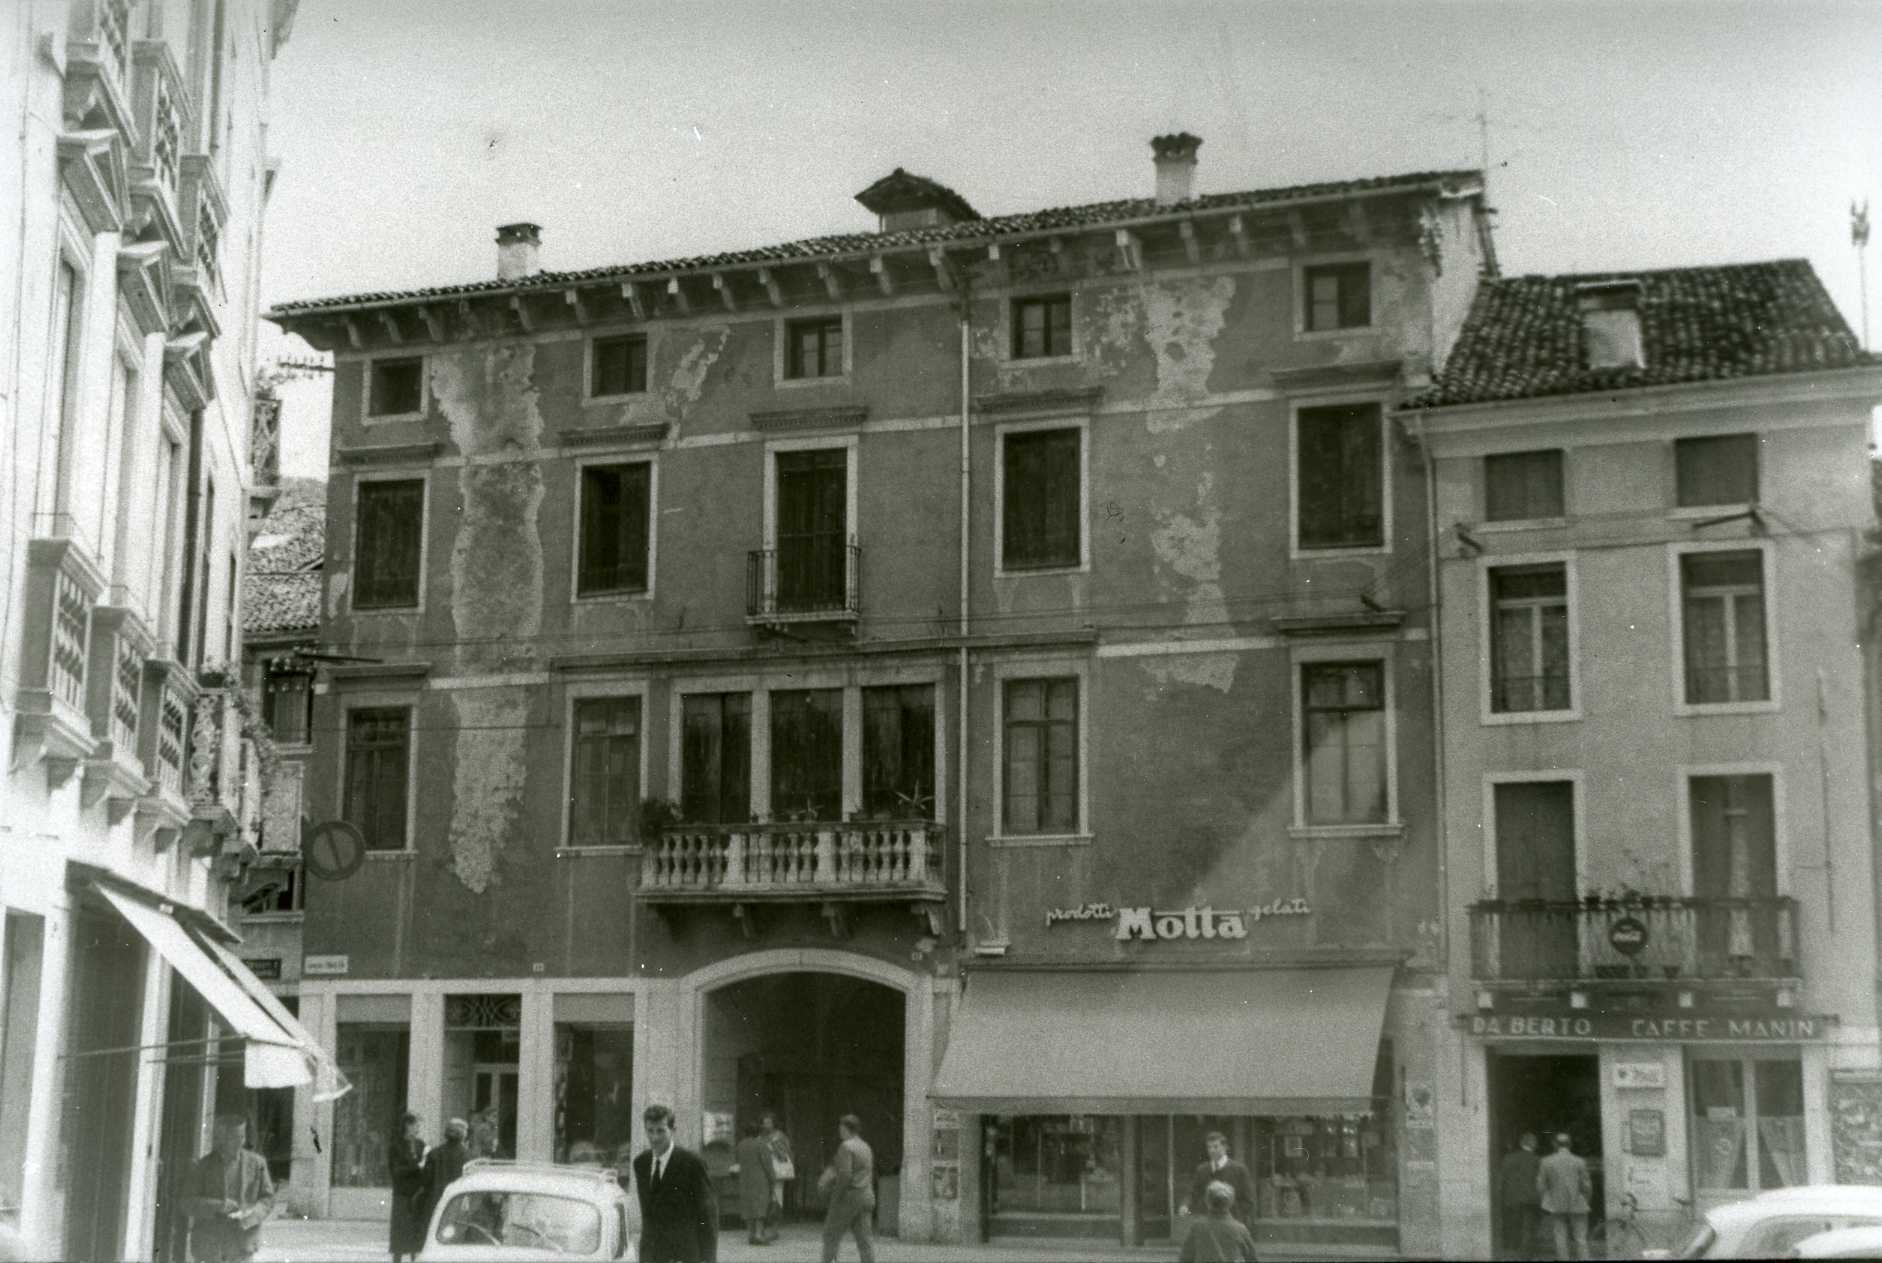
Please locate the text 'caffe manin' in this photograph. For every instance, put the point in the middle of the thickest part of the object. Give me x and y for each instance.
(1154, 924)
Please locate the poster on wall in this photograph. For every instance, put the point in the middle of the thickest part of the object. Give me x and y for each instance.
(718, 1127)
(946, 1183)
(1646, 1133)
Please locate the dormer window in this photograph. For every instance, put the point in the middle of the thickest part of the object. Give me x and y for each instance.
(1610, 323)
(902, 201)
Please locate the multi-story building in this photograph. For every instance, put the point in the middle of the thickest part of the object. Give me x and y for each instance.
(135, 183)
(744, 645)
(1650, 495)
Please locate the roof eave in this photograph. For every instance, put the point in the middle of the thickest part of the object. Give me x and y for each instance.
(1849, 378)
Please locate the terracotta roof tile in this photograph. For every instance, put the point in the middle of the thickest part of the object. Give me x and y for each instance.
(281, 589)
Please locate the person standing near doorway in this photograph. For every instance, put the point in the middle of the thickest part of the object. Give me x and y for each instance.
(755, 1182)
(444, 1164)
(229, 1197)
(1220, 1167)
(1517, 1197)
(1563, 1188)
(783, 1171)
(679, 1217)
(850, 1184)
(405, 1159)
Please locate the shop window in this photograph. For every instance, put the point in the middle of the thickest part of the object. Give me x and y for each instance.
(1343, 743)
(396, 387)
(715, 758)
(619, 366)
(1057, 1164)
(1042, 327)
(482, 1059)
(1529, 638)
(615, 516)
(1039, 781)
(19, 1026)
(378, 771)
(1338, 296)
(1717, 470)
(1522, 486)
(898, 752)
(1747, 1123)
(290, 705)
(1339, 490)
(814, 347)
(375, 1059)
(1041, 500)
(807, 754)
(1722, 599)
(593, 1086)
(604, 772)
(388, 541)
(1341, 1168)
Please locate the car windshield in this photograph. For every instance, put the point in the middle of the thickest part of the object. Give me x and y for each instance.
(1702, 1240)
(560, 1225)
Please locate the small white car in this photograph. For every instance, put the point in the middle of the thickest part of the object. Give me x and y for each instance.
(525, 1210)
(1767, 1226)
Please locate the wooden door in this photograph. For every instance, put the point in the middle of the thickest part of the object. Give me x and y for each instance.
(813, 529)
(1535, 864)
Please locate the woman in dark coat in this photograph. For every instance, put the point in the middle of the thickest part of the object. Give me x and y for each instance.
(754, 1183)
(405, 1159)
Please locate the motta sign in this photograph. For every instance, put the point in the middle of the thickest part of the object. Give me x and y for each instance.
(1671, 1028)
(1157, 924)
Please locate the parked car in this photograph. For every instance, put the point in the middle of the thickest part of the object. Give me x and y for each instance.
(527, 1210)
(1841, 1243)
(1767, 1226)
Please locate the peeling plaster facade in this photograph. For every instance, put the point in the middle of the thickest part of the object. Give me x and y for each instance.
(1186, 624)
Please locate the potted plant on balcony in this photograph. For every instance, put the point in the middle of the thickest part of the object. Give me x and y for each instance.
(657, 815)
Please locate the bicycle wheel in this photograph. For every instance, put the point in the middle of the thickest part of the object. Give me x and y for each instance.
(1616, 1239)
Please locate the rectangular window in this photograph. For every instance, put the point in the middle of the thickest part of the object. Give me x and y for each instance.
(165, 564)
(66, 326)
(1747, 1123)
(374, 1057)
(388, 544)
(814, 347)
(290, 706)
(1722, 596)
(898, 752)
(378, 772)
(807, 754)
(1042, 507)
(604, 772)
(1721, 470)
(1529, 643)
(1042, 327)
(715, 758)
(1338, 296)
(1343, 742)
(1535, 862)
(593, 1091)
(396, 387)
(1522, 486)
(1734, 873)
(615, 514)
(1340, 483)
(231, 600)
(812, 530)
(619, 366)
(203, 541)
(1039, 782)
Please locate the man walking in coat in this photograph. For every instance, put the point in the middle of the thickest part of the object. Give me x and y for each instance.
(852, 1193)
(1517, 1197)
(679, 1218)
(1221, 1167)
(229, 1197)
(1563, 1187)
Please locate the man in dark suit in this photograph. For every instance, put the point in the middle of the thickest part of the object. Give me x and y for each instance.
(679, 1217)
(1230, 1172)
(1516, 1194)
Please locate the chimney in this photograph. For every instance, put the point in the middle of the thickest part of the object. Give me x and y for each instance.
(517, 245)
(1610, 322)
(1176, 167)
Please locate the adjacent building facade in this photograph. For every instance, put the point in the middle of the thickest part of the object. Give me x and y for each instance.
(134, 190)
(772, 677)
(1651, 492)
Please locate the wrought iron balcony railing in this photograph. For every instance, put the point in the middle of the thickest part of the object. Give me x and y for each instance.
(889, 859)
(1657, 938)
(817, 582)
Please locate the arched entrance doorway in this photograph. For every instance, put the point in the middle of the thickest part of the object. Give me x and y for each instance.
(810, 1047)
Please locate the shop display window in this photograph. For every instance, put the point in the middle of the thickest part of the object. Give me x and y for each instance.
(1747, 1123)
(374, 1058)
(1059, 1164)
(1340, 1168)
(594, 1116)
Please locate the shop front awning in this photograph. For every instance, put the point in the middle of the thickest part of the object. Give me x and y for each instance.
(1272, 1041)
(277, 1051)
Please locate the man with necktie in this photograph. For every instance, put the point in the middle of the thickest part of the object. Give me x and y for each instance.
(679, 1217)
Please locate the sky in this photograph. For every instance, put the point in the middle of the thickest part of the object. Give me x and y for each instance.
(1620, 136)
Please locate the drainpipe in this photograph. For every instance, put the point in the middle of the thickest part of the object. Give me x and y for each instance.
(960, 763)
(1436, 599)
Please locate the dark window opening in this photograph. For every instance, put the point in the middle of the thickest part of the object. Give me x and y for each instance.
(1339, 296)
(1341, 478)
(604, 772)
(814, 348)
(813, 529)
(378, 772)
(807, 754)
(619, 366)
(1042, 327)
(898, 752)
(1522, 486)
(1721, 470)
(1042, 508)
(397, 387)
(615, 516)
(715, 758)
(388, 546)
(290, 706)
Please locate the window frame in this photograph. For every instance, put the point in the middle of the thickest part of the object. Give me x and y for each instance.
(1486, 637)
(600, 690)
(1081, 423)
(1748, 1056)
(1039, 668)
(589, 345)
(64, 379)
(352, 703)
(1486, 522)
(1303, 295)
(773, 448)
(1676, 621)
(1683, 777)
(423, 478)
(582, 465)
(1387, 525)
(371, 364)
(1576, 778)
(783, 328)
(1380, 651)
(864, 688)
(269, 675)
(1718, 507)
(1011, 343)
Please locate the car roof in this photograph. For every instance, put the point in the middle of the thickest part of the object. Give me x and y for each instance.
(1837, 1242)
(1832, 1199)
(535, 1177)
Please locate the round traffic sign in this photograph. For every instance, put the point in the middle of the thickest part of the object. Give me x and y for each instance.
(333, 851)
(1628, 936)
